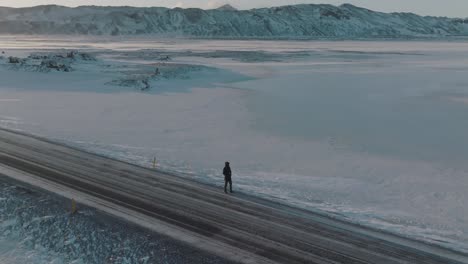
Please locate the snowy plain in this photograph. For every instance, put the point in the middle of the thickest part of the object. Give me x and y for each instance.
(372, 132)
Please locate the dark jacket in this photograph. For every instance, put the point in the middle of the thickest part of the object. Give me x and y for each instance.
(227, 172)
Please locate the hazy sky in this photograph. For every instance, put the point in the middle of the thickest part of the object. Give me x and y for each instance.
(453, 8)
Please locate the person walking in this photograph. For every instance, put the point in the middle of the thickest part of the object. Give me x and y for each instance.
(227, 177)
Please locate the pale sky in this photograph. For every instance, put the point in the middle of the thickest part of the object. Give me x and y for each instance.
(451, 8)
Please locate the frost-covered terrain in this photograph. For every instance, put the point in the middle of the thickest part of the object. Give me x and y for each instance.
(295, 21)
(371, 132)
(38, 228)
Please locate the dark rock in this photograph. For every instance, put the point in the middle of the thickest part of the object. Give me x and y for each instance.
(14, 60)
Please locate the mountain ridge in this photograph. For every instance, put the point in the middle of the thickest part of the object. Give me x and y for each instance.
(227, 7)
(290, 21)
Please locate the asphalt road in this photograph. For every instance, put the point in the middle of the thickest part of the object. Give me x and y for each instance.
(235, 226)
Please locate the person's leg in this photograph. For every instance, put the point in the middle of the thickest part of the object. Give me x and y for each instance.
(225, 186)
(230, 185)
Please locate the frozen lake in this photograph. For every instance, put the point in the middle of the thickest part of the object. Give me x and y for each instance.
(373, 132)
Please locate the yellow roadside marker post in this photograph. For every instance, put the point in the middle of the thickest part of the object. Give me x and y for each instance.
(73, 206)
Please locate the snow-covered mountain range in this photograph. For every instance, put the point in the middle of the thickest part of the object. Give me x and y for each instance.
(295, 21)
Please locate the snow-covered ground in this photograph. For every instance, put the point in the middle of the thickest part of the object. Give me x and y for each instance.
(373, 132)
(38, 228)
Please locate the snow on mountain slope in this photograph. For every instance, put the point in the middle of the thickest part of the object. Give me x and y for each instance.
(295, 21)
(227, 7)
